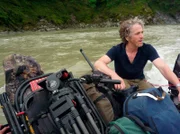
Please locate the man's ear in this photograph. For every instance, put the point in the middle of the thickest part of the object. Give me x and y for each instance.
(127, 38)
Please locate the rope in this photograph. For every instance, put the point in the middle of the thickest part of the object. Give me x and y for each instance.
(160, 85)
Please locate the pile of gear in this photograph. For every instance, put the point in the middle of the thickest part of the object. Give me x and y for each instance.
(58, 103)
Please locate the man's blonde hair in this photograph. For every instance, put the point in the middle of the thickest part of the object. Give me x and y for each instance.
(126, 25)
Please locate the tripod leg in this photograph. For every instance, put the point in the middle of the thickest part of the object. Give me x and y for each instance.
(79, 121)
(86, 110)
(74, 125)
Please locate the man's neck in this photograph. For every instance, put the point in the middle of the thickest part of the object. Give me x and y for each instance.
(131, 48)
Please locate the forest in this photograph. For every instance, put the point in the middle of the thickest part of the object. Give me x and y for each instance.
(20, 14)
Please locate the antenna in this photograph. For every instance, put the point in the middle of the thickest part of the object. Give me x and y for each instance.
(88, 61)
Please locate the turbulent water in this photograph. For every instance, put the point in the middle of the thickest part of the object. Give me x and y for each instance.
(60, 49)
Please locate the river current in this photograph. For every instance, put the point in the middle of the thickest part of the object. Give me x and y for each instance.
(60, 49)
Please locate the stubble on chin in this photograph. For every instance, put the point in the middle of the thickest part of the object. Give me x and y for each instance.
(139, 44)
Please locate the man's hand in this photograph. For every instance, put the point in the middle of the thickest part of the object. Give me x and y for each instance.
(120, 86)
(4, 130)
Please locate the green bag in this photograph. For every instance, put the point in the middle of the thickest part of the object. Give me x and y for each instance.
(128, 125)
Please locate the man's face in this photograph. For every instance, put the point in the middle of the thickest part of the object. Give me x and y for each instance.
(136, 35)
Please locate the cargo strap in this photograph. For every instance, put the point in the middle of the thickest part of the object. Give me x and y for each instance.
(99, 98)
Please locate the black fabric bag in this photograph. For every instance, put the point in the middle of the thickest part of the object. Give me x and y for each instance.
(61, 105)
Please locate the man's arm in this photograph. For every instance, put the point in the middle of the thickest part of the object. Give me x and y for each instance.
(101, 65)
(167, 73)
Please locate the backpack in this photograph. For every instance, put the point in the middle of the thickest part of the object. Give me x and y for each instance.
(19, 68)
(128, 125)
(154, 108)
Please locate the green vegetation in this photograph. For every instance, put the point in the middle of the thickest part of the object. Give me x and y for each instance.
(20, 14)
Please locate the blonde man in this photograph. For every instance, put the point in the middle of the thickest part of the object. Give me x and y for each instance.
(131, 56)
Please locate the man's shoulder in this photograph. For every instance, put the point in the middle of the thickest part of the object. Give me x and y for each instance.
(116, 50)
(150, 51)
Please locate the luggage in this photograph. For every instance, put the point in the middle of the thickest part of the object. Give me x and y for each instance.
(60, 105)
(128, 125)
(155, 108)
(172, 89)
(176, 69)
(17, 69)
(101, 101)
(109, 102)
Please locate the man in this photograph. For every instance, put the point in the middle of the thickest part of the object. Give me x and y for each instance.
(131, 56)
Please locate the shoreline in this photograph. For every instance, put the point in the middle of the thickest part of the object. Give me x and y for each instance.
(45, 26)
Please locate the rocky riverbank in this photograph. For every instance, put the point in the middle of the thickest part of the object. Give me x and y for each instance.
(43, 25)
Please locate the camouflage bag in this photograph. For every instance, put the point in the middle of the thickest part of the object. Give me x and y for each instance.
(101, 102)
(17, 69)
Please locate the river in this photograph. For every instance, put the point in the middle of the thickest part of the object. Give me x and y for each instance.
(60, 49)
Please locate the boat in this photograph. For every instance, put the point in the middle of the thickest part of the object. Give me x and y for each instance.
(60, 104)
